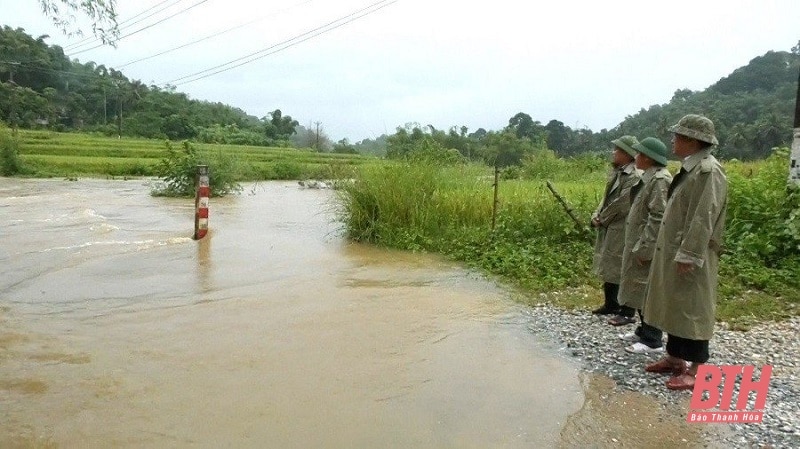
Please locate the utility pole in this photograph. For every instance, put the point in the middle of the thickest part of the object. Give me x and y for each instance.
(119, 108)
(317, 136)
(794, 159)
(13, 117)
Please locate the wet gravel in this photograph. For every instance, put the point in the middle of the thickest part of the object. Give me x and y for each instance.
(597, 348)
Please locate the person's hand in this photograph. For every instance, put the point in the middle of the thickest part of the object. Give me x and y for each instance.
(685, 268)
(595, 222)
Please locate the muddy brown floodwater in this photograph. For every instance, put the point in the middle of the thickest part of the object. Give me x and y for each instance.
(118, 330)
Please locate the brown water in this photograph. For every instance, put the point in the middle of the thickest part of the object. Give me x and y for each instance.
(117, 330)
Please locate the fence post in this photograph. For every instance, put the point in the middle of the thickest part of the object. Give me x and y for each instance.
(794, 161)
(496, 188)
(203, 191)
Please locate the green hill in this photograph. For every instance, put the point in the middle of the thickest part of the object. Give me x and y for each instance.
(752, 107)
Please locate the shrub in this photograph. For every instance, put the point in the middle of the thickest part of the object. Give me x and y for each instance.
(9, 153)
(763, 226)
(178, 169)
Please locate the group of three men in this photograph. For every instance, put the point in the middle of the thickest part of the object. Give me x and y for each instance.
(658, 245)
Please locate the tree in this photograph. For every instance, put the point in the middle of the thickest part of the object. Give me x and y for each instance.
(524, 127)
(278, 126)
(312, 137)
(506, 149)
(558, 137)
(102, 14)
(344, 147)
(521, 124)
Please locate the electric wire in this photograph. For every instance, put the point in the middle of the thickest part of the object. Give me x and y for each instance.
(213, 35)
(330, 26)
(143, 28)
(92, 39)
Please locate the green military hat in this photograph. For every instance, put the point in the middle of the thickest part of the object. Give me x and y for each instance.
(653, 148)
(697, 127)
(626, 143)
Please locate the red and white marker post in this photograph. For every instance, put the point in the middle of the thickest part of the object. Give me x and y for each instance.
(201, 203)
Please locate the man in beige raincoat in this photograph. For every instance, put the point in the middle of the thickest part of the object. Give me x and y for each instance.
(641, 230)
(609, 219)
(682, 287)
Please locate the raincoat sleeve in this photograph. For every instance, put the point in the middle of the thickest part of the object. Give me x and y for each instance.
(645, 245)
(698, 238)
(618, 208)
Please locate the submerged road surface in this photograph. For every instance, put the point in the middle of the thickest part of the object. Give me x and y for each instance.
(118, 330)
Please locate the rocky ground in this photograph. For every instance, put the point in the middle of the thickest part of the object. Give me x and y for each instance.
(597, 347)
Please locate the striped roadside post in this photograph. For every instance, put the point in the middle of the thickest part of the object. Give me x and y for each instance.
(201, 202)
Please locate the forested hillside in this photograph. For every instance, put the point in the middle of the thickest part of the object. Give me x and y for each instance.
(752, 107)
(40, 87)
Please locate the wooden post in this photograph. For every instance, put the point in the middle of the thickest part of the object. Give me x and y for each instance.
(496, 187)
(794, 158)
(203, 191)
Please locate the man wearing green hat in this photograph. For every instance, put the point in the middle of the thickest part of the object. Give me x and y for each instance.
(641, 229)
(609, 220)
(682, 286)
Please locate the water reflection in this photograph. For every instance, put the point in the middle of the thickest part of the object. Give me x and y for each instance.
(205, 265)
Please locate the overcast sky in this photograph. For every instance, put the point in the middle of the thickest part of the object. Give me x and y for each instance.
(439, 62)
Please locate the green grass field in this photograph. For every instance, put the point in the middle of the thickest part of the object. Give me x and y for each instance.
(51, 154)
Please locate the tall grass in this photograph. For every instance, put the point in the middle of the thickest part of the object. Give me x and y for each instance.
(760, 270)
(447, 209)
(403, 204)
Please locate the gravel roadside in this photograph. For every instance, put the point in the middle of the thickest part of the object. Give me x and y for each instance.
(598, 349)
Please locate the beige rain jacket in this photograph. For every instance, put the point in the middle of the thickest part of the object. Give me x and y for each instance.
(641, 231)
(691, 232)
(612, 212)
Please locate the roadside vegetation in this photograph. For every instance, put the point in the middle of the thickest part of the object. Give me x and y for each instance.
(446, 207)
(9, 153)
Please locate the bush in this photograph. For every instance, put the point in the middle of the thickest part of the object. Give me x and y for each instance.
(9, 153)
(178, 169)
(763, 226)
(763, 214)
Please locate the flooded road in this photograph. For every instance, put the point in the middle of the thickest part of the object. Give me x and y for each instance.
(117, 330)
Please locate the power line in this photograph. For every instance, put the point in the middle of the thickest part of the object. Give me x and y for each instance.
(219, 33)
(144, 28)
(92, 39)
(374, 7)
